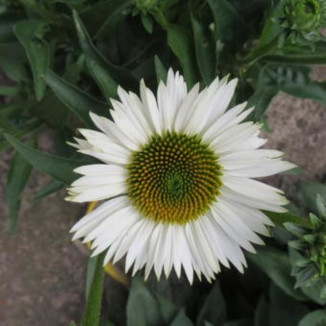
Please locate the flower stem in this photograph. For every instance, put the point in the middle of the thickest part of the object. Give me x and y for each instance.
(92, 311)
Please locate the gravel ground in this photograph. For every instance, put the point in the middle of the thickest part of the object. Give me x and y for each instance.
(42, 274)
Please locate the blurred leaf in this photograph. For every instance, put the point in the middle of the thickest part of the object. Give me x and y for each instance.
(181, 320)
(284, 310)
(101, 18)
(91, 316)
(315, 318)
(147, 22)
(72, 323)
(229, 25)
(307, 192)
(167, 308)
(91, 266)
(12, 61)
(7, 23)
(241, 322)
(142, 308)
(204, 52)
(79, 102)
(106, 74)
(17, 126)
(17, 179)
(313, 292)
(213, 309)
(47, 190)
(161, 72)
(180, 43)
(261, 317)
(9, 90)
(277, 266)
(281, 218)
(97, 65)
(30, 35)
(58, 168)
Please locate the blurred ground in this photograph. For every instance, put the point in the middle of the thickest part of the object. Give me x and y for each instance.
(42, 274)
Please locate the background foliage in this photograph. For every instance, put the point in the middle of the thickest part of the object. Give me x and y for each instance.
(65, 58)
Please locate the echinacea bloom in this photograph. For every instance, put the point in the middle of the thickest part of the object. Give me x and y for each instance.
(176, 177)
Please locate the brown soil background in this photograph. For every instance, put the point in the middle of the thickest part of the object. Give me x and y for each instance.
(42, 274)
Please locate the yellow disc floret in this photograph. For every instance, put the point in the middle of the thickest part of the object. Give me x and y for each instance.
(174, 178)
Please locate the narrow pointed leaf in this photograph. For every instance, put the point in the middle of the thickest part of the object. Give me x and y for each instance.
(314, 318)
(161, 72)
(180, 44)
(204, 52)
(92, 310)
(29, 33)
(59, 168)
(276, 265)
(47, 190)
(17, 179)
(96, 64)
(78, 101)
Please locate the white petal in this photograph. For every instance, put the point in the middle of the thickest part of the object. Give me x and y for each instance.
(185, 110)
(94, 218)
(170, 97)
(150, 107)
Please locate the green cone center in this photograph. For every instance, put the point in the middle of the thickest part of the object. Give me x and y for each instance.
(174, 178)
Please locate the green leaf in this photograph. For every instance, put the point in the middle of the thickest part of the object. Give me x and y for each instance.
(102, 17)
(161, 72)
(91, 316)
(147, 22)
(281, 218)
(97, 65)
(7, 23)
(314, 292)
(213, 309)
(47, 190)
(17, 179)
(181, 320)
(59, 168)
(17, 127)
(12, 61)
(315, 318)
(30, 34)
(180, 43)
(307, 192)
(142, 308)
(204, 51)
(229, 25)
(91, 267)
(167, 309)
(284, 310)
(261, 317)
(79, 102)
(241, 322)
(9, 90)
(277, 266)
(72, 323)
(291, 79)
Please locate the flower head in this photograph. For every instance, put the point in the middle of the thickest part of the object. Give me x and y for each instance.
(310, 246)
(176, 174)
(303, 18)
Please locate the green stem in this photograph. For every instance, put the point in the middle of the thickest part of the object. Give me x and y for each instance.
(92, 311)
(259, 52)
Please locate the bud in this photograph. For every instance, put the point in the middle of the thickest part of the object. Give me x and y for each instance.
(310, 248)
(302, 20)
(145, 6)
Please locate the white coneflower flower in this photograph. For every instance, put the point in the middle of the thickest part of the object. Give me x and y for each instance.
(176, 174)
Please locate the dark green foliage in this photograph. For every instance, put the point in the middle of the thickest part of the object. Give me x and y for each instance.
(64, 59)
